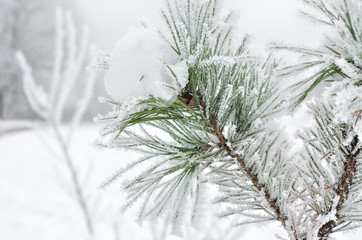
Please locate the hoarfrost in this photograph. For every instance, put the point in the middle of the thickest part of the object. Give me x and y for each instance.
(346, 99)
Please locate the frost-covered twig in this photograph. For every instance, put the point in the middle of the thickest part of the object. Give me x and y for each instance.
(51, 106)
(79, 193)
(34, 93)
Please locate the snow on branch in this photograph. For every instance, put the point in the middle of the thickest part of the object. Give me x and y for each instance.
(36, 95)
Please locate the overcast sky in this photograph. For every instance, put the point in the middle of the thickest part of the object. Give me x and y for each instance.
(265, 20)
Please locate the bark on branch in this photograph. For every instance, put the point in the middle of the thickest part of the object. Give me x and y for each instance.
(252, 176)
(350, 168)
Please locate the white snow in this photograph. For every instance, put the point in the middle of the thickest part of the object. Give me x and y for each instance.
(36, 193)
(37, 205)
(292, 124)
(140, 66)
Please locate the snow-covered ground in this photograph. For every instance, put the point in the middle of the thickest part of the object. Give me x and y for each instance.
(36, 198)
(36, 193)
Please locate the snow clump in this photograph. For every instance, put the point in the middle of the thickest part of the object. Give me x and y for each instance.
(142, 64)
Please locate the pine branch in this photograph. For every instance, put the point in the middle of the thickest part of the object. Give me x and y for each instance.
(253, 177)
(220, 116)
(343, 188)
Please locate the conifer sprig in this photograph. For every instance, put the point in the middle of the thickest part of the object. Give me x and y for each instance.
(331, 174)
(340, 58)
(219, 130)
(225, 82)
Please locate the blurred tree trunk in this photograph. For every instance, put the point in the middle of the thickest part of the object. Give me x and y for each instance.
(9, 14)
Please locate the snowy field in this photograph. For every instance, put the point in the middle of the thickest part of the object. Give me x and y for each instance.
(37, 203)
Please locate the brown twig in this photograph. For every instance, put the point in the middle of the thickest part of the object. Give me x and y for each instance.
(350, 168)
(333, 149)
(357, 112)
(307, 195)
